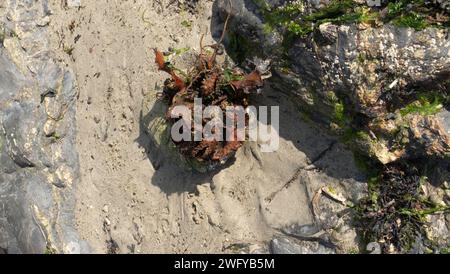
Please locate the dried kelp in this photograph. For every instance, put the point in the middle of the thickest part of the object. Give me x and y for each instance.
(216, 84)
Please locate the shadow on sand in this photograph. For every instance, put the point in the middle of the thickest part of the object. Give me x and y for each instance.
(313, 142)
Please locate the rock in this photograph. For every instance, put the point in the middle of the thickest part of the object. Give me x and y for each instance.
(373, 248)
(446, 185)
(361, 85)
(429, 136)
(285, 245)
(107, 222)
(346, 238)
(436, 196)
(105, 209)
(437, 230)
(73, 3)
(302, 231)
(37, 174)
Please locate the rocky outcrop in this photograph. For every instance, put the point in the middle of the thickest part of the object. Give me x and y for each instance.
(382, 86)
(39, 163)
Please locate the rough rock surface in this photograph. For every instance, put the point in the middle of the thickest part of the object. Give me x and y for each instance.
(39, 165)
(353, 75)
(283, 245)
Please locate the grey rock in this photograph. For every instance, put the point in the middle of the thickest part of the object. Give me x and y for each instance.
(285, 245)
(444, 117)
(73, 3)
(36, 207)
(437, 229)
(302, 231)
(373, 248)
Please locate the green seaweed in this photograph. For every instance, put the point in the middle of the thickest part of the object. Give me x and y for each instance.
(294, 20)
(413, 14)
(68, 50)
(240, 47)
(445, 250)
(230, 76)
(335, 9)
(424, 212)
(186, 24)
(426, 104)
(339, 114)
(411, 20)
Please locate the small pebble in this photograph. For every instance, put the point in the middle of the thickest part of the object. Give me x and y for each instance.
(446, 185)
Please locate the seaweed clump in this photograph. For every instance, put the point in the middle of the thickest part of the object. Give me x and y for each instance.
(217, 85)
(417, 14)
(393, 214)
